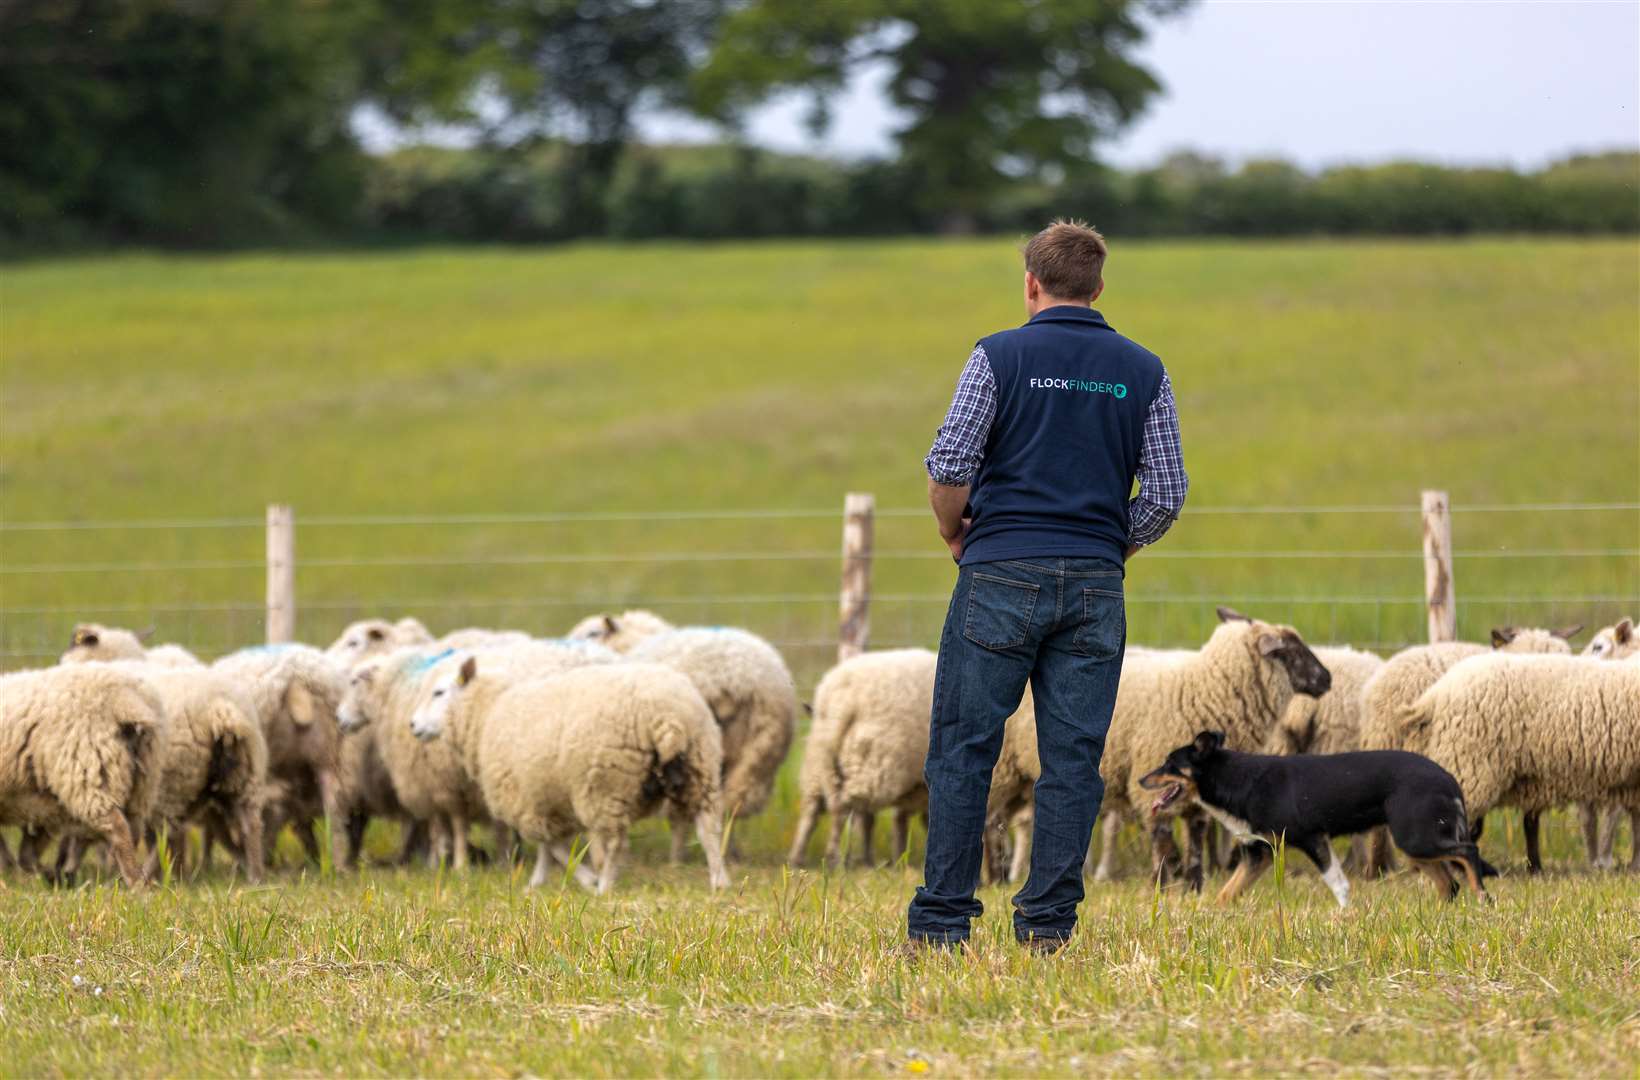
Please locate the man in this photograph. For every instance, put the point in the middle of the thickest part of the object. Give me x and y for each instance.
(1029, 480)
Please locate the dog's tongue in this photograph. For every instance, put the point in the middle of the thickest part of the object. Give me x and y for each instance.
(1164, 800)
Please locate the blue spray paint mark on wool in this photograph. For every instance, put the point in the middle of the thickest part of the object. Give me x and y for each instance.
(421, 664)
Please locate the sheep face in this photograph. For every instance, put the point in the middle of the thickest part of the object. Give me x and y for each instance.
(354, 713)
(1282, 646)
(92, 641)
(431, 716)
(1614, 642)
(361, 641)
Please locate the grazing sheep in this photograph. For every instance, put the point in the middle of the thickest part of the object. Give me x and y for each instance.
(866, 749)
(594, 749)
(1534, 731)
(213, 760)
(1241, 682)
(1616, 642)
(93, 641)
(372, 637)
(296, 691)
(1404, 678)
(747, 686)
(620, 632)
(80, 754)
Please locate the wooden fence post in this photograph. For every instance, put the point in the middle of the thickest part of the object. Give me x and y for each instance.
(281, 574)
(854, 606)
(1439, 595)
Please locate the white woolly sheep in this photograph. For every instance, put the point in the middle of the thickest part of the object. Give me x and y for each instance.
(866, 749)
(1404, 678)
(93, 641)
(594, 749)
(80, 755)
(213, 760)
(749, 689)
(620, 632)
(474, 637)
(372, 637)
(1534, 731)
(1615, 642)
(296, 691)
(1241, 682)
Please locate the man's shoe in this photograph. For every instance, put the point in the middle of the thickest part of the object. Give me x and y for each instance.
(1044, 945)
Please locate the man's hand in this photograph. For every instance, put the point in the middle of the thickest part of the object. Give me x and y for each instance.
(1133, 549)
(948, 504)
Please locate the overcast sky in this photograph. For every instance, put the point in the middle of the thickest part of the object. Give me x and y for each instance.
(1325, 81)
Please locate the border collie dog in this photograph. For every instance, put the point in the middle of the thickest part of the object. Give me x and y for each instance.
(1309, 799)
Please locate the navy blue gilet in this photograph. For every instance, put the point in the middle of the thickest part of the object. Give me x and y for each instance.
(1072, 399)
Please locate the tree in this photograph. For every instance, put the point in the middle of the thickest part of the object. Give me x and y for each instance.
(993, 89)
(519, 71)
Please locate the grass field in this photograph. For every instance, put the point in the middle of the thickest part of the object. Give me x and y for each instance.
(751, 377)
(404, 972)
(603, 380)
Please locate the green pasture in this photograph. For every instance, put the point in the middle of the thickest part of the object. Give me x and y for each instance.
(410, 972)
(674, 379)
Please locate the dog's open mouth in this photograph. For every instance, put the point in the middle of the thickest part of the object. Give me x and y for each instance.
(1170, 795)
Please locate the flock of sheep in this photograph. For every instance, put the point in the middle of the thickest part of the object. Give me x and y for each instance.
(550, 740)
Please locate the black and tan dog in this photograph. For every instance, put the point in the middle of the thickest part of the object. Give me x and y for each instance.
(1309, 799)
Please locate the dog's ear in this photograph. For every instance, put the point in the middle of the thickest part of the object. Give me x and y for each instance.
(1569, 632)
(1503, 635)
(1230, 614)
(1624, 631)
(1208, 741)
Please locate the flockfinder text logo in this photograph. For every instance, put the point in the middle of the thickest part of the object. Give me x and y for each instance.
(1086, 386)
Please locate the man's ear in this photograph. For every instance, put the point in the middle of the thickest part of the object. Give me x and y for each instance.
(469, 671)
(1208, 741)
(1503, 635)
(1097, 290)
(1033, 287)
(1230, 614)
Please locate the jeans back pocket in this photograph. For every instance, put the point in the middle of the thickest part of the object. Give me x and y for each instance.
(999, 611)
(1103, 631)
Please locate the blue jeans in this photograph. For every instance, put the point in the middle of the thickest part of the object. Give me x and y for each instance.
(1061, 624)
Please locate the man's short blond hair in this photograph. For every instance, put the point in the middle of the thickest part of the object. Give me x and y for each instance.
(1068, 259)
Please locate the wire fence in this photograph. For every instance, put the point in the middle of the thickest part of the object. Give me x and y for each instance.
(1340, 573)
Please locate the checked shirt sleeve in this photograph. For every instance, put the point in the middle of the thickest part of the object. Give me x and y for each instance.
(1162, 479)
(960, 445)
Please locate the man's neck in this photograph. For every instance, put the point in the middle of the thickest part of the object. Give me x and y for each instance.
(1045, 302)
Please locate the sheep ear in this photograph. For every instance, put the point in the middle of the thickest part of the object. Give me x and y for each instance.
(376, 633)
(1230, 614)
(1503, 635)
(808, 708)
(1624, 631)
(299, 701)
(1208, 741)
(1569, 633)
(469, 671)
(82, 636)
(1270, 644)
(609, 624)
(144, 635)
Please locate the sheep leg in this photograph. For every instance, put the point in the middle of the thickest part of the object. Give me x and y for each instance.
(1164, 852)
(864, 823)
(438, 847)
(1634, 839)
(902, 835)
(355, 828)
(607, 846)
(565, 855)
(309, 839)
(543, 865)
(413, 842)
(709, 827)
(1588, 819)
(459, 839)
(1020, 864)
(1529, 823)
(116, 833)
(1196, 839)
(834, 838)
(807, 817)
(676, 825)
(1607, 838)
(70, 852)
(1110, 831)
(28, 849)
(507, 848)
(248, 820)
(6, 860)
(330, 795)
